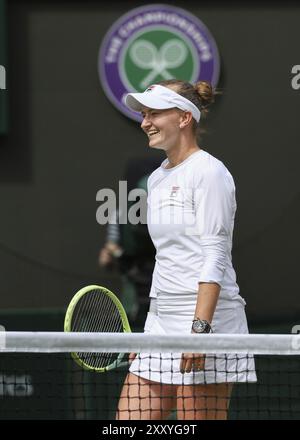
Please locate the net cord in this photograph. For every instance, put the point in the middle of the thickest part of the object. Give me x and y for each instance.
(62, 342)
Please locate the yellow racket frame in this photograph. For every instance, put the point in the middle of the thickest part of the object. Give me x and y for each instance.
(68, 321)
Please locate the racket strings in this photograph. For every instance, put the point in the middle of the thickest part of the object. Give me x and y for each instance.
(96, 312)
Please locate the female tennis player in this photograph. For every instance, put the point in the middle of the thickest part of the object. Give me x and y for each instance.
(191, 209)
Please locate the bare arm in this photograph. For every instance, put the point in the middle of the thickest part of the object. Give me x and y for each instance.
(208, 294)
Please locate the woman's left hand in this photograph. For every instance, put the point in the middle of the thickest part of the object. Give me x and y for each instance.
(192, 362)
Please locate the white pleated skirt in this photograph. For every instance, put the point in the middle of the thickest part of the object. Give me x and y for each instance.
(173, 313)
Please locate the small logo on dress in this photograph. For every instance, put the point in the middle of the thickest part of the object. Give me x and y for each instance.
(174, 191)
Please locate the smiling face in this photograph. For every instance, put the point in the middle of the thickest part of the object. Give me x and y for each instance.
(162, 127)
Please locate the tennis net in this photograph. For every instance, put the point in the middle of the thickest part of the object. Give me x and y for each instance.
(243, 376)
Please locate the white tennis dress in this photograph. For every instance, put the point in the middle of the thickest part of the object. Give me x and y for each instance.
(191, 209)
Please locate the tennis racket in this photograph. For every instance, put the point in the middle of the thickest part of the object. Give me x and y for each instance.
(97, 309)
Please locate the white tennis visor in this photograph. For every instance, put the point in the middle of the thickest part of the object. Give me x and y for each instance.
(160, 98)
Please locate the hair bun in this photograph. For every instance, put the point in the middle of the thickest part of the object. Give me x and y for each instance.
(206, 93)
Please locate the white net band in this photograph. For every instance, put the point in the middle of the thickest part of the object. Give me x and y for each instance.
(60, 342)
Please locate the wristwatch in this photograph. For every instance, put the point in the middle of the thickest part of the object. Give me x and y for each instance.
(201, 326)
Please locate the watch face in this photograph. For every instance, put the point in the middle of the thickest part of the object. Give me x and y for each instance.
(201, 326)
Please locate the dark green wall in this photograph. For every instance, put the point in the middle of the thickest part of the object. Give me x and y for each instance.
(67, 141)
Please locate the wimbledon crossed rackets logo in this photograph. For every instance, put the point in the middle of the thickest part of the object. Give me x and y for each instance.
(145, 55)
(155, 54)
(154, 43)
